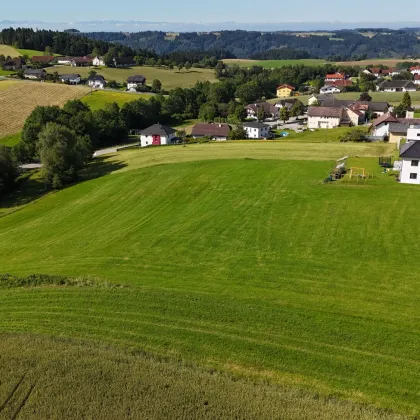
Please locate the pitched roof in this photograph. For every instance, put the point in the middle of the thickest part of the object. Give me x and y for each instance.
(414, 68)
(158, 130)
(69, 76)
(397, 84)
(255, 124)
(387, 117)
(398, 127)
(286, 86)
(82, 60)
(331, 101)
(410, 150)
(34, 71)
(335, 76)
(96, 78)
(339, 83)
(138, 78)
(216, 130)
(42, 58)
(266, 106)
(323, 111)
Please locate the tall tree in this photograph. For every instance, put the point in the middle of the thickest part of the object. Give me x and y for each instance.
(284, 114)
(8, 170)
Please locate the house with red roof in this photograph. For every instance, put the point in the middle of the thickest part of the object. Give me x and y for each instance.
(334, 77)
(415, 70)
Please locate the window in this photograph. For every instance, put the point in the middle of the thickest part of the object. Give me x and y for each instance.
(413, 176)
(414, 163)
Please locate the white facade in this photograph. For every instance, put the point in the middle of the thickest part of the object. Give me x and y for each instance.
(413, 133)
(312, 100)
(150, 140)
(133, 86)
(73, 81)
(257, 132)
(410, 171)
(394, 89)
(416, 80)
(323, 122)
(98, 61)
(66, 61)
(382, 130)
(416, 70)
(96, 84)
(329, 89)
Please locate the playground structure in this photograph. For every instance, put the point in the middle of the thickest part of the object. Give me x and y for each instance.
(338, 171)
(359, 173)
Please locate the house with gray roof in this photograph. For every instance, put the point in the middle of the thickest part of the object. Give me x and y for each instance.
(257, 130)
(396, 86)
(70, 79)
(410, 163)
(35, 74)
(157, 135)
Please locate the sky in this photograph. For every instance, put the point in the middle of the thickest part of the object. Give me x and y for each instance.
(214, 11)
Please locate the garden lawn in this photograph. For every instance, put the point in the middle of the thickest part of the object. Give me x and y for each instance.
(248, 264)
(170, 78)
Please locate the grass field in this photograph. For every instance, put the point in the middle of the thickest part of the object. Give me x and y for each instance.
(390, 62)
(8, 51)
(10, 140)
(234, 257)
(31, 53)
(18, 99)
(99, 98)
(271, 64)
(170, 78)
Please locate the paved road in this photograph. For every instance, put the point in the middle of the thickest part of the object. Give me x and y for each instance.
(111, 150)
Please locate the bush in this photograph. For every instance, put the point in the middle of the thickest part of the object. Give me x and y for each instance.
(357, 135)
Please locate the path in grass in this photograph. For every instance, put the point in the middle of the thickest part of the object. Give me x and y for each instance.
(170, 78)
(248, 264)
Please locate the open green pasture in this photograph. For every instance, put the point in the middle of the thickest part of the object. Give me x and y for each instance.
(10, 140)
(236, 257)
(31, 53)
(170, 78)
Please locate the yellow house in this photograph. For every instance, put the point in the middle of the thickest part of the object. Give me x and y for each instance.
(284, 91)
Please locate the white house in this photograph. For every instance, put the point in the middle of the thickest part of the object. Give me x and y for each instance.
(133, 82)
(313, 100)
(157, 135)
(410, 167)
(71, 79)
(396, 86)
(98, 61)
(96, 81)
(413, 133)
(415, 70)
(325, 90)
(324, 117)
(255, 130)
(416, 79)
(64, 60)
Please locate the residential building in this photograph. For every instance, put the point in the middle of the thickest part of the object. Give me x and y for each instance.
(355, 115)
(13, 64)
(64, 60)
(284, 91)
(326, 90)
(96, 81)
(416, 79)
(415, 70)
(98, 61)
(325, 117)
(410, 166)
(334, 77)
(35, 74)
(395, 128)
(375, 71)
(257, 130)
(413, 133)
(42, 59)
(70, 79)
(396, 86)
(340, 84)
(81, 62)
(214, 131)
(157, 135)
(123, 62)
(288, 103)
(133, 82)
(313, 100)
(376, 108)
(265, 109)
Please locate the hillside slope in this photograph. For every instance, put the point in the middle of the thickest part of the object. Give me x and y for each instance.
(246, 265)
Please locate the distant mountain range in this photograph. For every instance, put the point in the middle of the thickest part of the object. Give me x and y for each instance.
(136, 26)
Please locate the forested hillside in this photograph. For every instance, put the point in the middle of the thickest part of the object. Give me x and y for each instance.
(340, 46)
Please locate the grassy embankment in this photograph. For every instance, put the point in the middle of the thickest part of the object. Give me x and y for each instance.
(246, 263)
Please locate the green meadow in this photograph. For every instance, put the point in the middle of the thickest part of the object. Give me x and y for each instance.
(99, 98)
(11, 140)
(271, 64)
(230, 257)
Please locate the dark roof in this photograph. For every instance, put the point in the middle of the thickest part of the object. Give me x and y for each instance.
(96, 77)
(397, 84)
(255, 124)
(398, 127)
(216, 130)
(288, 103)
(332, 102)
(158, 130)
(323, 111)
(410, 150)
(42, 58)
(138, 78)
(34, 71)
(385, 118)
(266, 106)
(82, 60)
(69, 76)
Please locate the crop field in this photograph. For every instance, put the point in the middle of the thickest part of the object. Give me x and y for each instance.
(99, 98)
(18, 99)
(232, 257)
(271, 64)
(8, 51)
(170, 78)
